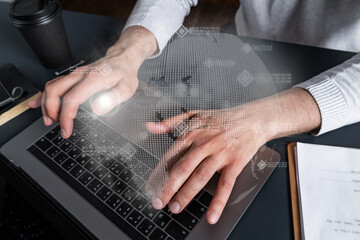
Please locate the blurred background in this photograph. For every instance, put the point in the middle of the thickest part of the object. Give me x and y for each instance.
(208, 13)
(214, 13)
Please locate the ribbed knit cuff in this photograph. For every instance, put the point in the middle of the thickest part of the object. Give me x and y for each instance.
(154, 25)
(331, 102)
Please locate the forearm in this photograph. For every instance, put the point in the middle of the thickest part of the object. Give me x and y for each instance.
(161, 17)
(290, 112)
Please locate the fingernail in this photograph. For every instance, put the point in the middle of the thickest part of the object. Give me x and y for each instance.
(157, 203)
(63, 133)
(174, 207)
(213, 218)
(46, 120)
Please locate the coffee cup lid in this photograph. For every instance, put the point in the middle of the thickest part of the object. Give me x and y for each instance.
(33, 12)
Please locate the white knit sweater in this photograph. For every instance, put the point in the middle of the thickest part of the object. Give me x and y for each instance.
(324, 23)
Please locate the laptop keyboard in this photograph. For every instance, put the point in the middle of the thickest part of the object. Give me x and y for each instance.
(111, 172)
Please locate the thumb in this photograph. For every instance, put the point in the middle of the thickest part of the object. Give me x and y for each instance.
(168, 125)
(36, 102)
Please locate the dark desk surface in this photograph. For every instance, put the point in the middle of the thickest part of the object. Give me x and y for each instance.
(269, 216)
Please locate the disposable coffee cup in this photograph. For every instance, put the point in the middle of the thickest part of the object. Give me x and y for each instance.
(41, 24)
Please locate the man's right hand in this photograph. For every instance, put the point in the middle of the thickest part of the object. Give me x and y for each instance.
(63, 95)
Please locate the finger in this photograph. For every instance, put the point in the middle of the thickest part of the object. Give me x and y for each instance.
(47, 121)
(36, 102)
(195, 183)
(160, 173)
(113, 97)
(222, 193)
(55, 90)
(178, 175)
(79, 94)
(168, 124)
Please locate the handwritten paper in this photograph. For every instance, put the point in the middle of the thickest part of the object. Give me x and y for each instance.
(329, 192)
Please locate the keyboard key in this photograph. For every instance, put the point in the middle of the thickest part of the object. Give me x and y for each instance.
(86, 178)
(104, 143)
(100, 172)
(66, 146)
(136, 182)
(107, 161)
(114, 201)
(167, 210)
(82, 114)
(89, 149)
(94, 137)
(112, 149)
(198, 194)
(91, 165)
(161, 219)
(82, 159)
(82, 142)
(74, 152)
(77, 171)
(117, 168)
(75, 136)
(53, 133)
(126, 175)
(139, 203)
(205, 198)
(146, 227)
(149, 211)
(93, 123)
(129, 194)
(130, 163)
(69, 164)
(78, 124)
(85, 131)
(52, 151)
(186, 219)
(120, 141)
(134, 218)
(128, 150)
(102, 128)
(119, 187)
(43, 144)
(176, 231)
(124, 209)
(58, 140)
(94, 185)
(119, 158)
(147, 175)
(109, 179)
(157, 234)
(196, 209)
(61, 157)
(147, 159)
(140, 169)
(104, 193)
(111, 135)
(98, 155)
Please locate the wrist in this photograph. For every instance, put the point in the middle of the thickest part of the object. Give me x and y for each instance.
(136, 44)
(294, 111)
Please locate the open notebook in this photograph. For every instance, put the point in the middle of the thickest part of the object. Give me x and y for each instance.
(325, 184)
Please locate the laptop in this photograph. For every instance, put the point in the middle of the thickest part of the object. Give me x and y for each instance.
(99, 174)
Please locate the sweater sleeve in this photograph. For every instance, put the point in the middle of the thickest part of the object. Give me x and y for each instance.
(161, 17)
(337, 94)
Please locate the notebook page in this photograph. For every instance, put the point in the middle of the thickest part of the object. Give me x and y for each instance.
(329, 192)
